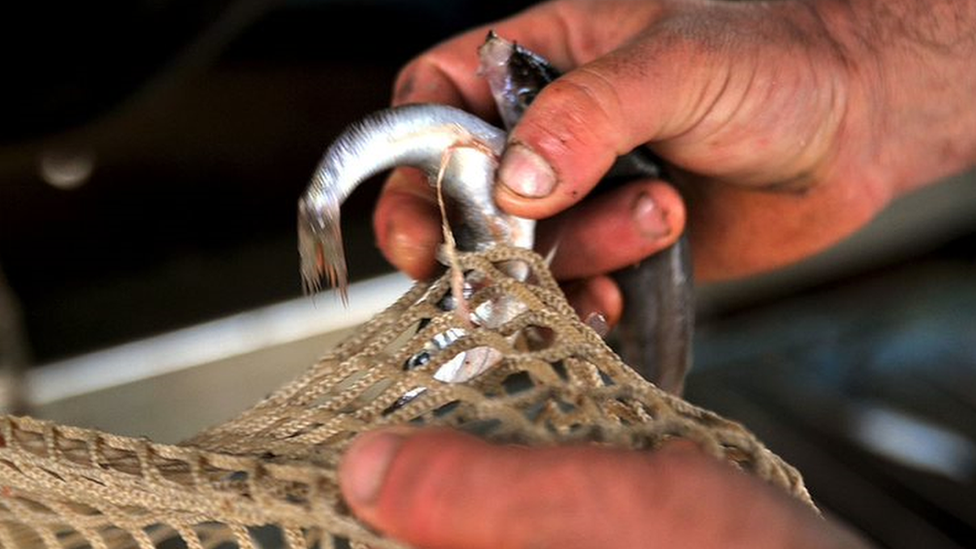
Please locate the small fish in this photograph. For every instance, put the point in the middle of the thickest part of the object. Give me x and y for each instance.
(456, 149)
(459, 152)
(655, 331)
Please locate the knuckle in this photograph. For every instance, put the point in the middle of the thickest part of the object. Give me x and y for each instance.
(575, 114)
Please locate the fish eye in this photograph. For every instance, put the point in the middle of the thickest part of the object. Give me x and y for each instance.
(525, 98)
(417, 360)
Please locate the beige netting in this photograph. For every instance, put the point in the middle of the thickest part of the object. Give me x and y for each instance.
(268, 477)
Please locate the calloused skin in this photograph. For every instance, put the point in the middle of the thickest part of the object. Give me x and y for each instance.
(788, 124)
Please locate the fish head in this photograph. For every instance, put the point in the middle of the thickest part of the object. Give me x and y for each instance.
(514, 74)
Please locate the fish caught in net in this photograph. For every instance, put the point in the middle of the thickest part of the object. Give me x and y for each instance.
(491, 347)
(268, 477)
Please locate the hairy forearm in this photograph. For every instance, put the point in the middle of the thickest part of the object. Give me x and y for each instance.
(943, 26)
(913, 60)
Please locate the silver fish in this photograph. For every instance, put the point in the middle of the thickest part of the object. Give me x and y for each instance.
(656, 329)
(447, 143)
(459, 152)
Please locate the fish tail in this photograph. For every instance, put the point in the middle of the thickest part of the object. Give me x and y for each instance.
(320, 249)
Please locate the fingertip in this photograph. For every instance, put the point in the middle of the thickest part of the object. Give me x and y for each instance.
(615, 229)
(656, 217)
(447, 74)
(363, 469)
(423, 81)
(658, 212)
(416, 484)
(597, 295)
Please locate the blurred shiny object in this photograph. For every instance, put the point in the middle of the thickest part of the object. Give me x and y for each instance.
(66, 168)
(915, 442)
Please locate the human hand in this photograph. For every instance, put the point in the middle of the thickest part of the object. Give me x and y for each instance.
(440, 488)
(788, 124)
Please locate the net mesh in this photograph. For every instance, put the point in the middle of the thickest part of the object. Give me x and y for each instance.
(268, 477)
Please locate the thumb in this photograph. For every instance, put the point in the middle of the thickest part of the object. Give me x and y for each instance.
(580, 123)
(717, 88)
(442, 489)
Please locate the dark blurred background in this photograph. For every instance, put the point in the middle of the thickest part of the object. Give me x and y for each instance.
(151, 155)
(178, 136)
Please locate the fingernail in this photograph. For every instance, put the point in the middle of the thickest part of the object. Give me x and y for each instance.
(525, 173)
(364, 467)
(598, 323)
(651, 220)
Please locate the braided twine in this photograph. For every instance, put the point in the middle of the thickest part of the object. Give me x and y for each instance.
(268, 477)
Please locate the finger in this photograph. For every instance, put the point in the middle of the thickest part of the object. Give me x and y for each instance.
(582, 122)
(441, 489)
(564, 32)
(614, 230)
(712, 101)
(407, 224)
(596, 295)
(446, 75)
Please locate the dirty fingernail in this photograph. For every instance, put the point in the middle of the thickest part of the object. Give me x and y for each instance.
(650, 219)
(525, 173)
(365, 465)
(598, 323)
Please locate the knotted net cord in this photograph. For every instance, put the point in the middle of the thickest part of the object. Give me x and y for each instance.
(268, 477)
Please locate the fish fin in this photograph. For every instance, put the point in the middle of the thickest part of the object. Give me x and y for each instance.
(551, 254)
(321, 251)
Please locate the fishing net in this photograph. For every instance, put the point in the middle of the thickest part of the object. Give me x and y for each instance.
(268, 477)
